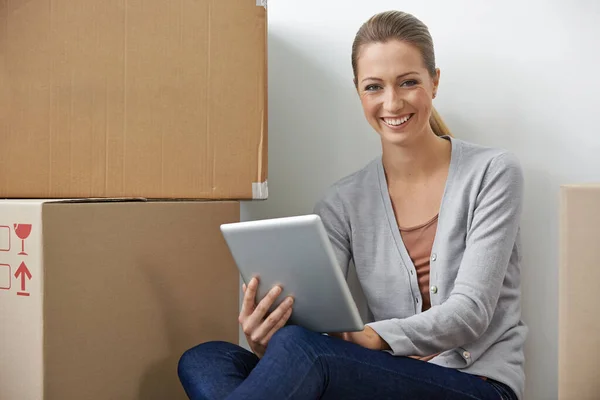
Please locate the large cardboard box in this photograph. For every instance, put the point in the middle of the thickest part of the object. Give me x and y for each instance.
(133, 98)
(99, 300)
(579, 301)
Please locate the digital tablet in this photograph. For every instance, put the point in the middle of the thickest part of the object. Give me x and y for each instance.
(295, 253)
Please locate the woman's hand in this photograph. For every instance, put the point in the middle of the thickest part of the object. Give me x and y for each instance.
(366, 338)
(371, 340)
(256, 324)
(424, 358)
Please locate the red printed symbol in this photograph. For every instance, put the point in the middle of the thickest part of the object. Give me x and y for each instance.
(22, 231)
(23, 272)
(5, 278)
(4, 238)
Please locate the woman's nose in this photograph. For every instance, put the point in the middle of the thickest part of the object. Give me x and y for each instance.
(393, 101)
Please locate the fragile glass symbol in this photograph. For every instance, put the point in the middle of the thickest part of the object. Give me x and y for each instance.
(22, 231)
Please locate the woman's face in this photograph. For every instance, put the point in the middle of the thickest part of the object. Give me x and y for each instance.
(395, 90)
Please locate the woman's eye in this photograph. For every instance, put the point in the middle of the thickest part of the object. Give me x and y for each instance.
(371, 88)
(409, 83)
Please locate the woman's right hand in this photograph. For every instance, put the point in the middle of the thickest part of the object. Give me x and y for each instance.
(256, 324)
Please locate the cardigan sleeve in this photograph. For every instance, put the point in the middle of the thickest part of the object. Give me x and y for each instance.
(336, 222)
(490, 239)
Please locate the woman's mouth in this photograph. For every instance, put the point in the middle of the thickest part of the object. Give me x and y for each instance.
(397, 123)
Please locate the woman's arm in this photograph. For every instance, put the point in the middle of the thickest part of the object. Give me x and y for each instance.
(468, 311)
(335, 220)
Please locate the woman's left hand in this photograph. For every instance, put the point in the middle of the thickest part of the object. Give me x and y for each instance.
(366, 338)
(424, 358)
(371, 340)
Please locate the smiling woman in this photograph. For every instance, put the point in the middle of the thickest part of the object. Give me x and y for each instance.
(395, 90)
(432, 226)
(414, 61)
(393, 76)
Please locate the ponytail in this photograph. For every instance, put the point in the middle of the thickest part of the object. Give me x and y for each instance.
(438, 125)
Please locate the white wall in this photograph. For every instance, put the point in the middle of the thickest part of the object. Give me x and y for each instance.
(522, 75)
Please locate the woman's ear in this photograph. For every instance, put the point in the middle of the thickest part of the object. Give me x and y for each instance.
(436, 82)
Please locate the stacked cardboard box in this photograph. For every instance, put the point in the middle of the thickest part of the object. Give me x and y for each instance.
(129, 131)
(98, 300)
(579, 270)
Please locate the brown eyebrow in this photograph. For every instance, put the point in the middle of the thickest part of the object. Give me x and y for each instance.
(379, 80)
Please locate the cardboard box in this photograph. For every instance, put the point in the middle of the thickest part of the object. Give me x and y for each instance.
(579, 272)
(99, 300)
(136, 98)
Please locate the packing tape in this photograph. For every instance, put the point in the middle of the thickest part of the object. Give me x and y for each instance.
(260, 190)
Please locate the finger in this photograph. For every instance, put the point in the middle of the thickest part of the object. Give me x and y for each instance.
(253, 321)
(263, 306)
(273, 319)
(257, 317)
(286, 316)
(249, 298)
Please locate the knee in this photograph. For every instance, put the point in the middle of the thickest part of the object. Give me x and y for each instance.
(200, 357)
(291, 333)
(292, 336)
(300, 348)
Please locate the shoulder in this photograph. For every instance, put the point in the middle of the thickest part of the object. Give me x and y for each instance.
(353, 185)
(485, 162)
(489, 176)
(479, 155)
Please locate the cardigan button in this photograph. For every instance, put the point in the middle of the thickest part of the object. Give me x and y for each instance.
(434, 289)
(433, 257)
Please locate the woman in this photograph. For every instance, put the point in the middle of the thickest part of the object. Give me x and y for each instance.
(432, 226)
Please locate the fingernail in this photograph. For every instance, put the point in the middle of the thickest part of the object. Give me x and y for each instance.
(289, 300)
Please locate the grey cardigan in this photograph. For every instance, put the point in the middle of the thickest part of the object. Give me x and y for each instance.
(475, 315)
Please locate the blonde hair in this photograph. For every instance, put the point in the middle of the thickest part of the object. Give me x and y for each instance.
(398, 25)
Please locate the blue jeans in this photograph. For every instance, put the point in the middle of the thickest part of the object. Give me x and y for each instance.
(301, 364)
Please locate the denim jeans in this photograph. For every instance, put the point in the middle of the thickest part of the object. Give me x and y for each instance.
(301, 364)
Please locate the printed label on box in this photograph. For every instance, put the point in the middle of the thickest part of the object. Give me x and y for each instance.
(4, 238)
(24, 275)
(5, 277)
(23, 231)
(21, 306)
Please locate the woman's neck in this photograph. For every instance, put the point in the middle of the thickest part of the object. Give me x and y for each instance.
(414, 162)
